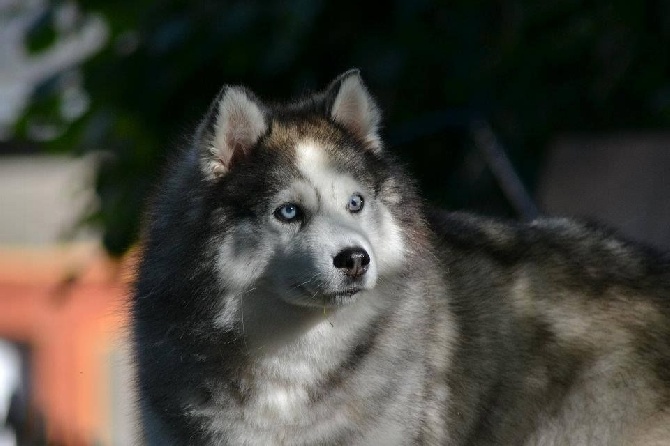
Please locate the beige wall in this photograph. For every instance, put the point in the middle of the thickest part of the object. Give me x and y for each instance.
(622, 180)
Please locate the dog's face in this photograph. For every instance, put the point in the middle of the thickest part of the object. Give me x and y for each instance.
(320, 236)
(306, 206)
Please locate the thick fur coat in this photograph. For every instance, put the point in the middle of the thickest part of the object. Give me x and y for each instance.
(295, 290)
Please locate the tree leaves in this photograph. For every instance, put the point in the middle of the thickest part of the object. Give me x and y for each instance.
(532, 69)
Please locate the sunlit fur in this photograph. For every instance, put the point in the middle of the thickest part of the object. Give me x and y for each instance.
(462, 331)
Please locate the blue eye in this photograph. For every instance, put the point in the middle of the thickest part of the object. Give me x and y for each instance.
(355, 203)
(288, 213)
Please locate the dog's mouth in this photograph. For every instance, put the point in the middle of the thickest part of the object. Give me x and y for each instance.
(320, 298)
(347, 292)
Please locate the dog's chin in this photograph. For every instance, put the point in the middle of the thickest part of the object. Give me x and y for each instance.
(305, 297)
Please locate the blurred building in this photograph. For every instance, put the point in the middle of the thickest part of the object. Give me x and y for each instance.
(64, 376)
(62, 313)
(621, 179)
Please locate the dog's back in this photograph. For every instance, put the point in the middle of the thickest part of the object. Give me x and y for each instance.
(564, 333)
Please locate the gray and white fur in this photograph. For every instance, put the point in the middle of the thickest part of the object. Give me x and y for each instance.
(295, 290)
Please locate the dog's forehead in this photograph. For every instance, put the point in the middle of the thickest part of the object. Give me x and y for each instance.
(317, 150)
(312, 159)
(285, 134)
(317, 165)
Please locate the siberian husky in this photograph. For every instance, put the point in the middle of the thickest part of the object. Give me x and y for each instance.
(294, 289)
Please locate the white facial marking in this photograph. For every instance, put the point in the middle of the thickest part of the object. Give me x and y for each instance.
(241, 259)
(315, 166)
(388, 240)
(262, 262)
(334, 187)
(374, 225)
(243, 256)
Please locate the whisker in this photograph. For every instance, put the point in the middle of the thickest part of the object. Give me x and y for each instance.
(311, 279)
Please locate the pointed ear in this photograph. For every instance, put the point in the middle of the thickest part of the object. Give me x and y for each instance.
(233, 125)
(350, 104)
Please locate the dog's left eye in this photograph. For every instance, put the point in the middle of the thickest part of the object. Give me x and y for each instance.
(355, 203)
(288, 213)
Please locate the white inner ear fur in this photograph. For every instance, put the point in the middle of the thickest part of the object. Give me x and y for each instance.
(356, 110)
(239, 124)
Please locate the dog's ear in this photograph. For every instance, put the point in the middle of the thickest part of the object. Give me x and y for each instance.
(349, 104)
(233, 125)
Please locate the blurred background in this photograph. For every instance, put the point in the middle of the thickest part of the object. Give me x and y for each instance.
(511, 108)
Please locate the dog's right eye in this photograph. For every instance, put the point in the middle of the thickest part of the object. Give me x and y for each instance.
(288, 213)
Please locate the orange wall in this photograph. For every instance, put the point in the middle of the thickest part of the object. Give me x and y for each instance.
(69, 306)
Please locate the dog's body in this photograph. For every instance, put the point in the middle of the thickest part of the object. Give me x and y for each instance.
(294, 290)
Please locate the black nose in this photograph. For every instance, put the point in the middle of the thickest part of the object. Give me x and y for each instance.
(354, 261)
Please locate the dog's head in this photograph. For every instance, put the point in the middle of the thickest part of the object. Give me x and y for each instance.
(303, 201)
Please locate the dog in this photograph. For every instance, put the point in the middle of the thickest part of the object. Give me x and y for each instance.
(294, 289)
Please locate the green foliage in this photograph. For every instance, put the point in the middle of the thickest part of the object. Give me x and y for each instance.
(533, 69)
(42, 34)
